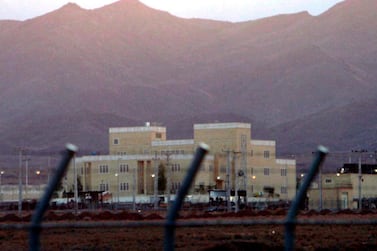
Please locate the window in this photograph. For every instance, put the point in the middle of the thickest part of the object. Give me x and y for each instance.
(251, 153)
(116, 141)
(103, 169)
(175, 186)
(158, 135)
(327, 180)
(210, 168)
(123, 168)
(124, 186)
(103, 187)
(283, 172)
(283, 190)
(251, 171)
(266, 171)
(175, 167)
(202, 168)
(266, 154)
(222, 169)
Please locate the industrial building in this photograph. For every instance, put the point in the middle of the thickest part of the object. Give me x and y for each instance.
(140, 155)
(352, 187)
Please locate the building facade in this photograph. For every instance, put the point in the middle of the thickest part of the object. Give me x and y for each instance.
(346, 189)
(235, 161)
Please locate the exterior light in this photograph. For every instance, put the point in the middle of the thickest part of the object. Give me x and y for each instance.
(254, 177)
(338, 174)
(153, 175)
(218, 177)
(116, 175)
(37, 172)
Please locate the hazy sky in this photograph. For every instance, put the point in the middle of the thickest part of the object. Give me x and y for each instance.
(230, 10)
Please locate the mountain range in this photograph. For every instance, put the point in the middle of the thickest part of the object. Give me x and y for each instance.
(301, 80)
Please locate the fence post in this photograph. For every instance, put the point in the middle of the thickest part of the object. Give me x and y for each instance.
(35, 227)
(290, 222)
(173, 210)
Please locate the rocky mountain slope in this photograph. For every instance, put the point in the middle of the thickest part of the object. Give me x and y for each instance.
(302, 80)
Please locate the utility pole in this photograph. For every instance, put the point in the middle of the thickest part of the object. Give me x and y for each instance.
(27, 159)
(360, 152)
(1, 191)
(320, 189)
(236, 181)
(320, 206)
(244, 179)
(168, 154)
(227, 180)
(26, 172)
(75, 184)
(155, 181)
(134, 189)
(20, 152)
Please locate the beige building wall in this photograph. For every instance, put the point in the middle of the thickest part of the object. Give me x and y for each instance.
(135, 152)
(223, 136)
(266, 171)
(341, 191)
(134, 140)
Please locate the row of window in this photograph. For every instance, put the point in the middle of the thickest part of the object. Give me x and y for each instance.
(116, 141)
(266, 154)
(175, 167)
(103, 169)
(266, 171)
(124, 168)
(175, 185)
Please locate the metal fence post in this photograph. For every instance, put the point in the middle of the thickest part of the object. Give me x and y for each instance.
(290, 223)
(173, 210)
(35, 227)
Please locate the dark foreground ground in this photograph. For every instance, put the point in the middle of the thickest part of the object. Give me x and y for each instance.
(236, 237)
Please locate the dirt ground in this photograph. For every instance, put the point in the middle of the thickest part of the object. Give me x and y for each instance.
(239, 237)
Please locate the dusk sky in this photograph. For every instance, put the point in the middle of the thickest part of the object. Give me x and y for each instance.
(228, 10)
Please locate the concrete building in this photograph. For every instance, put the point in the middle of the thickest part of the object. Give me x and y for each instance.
(235, 160)
(344, 189)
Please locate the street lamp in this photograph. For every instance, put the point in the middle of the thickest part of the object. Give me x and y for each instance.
(117, 176)
(1, 190)
(155, 204)
(38, 172)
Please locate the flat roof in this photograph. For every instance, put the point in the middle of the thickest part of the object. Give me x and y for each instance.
(93, 158)
(137, 129)
(222, 126)
(286, 161)
(263, 142)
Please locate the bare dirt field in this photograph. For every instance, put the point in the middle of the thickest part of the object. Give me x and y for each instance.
(214, 237)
